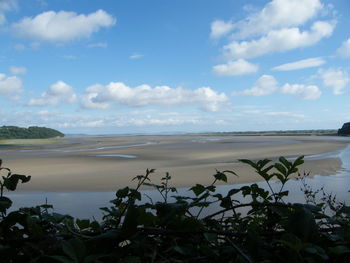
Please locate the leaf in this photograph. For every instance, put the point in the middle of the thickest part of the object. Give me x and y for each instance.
(225, 202)
(11, 182)
(5, 203)
(233, 192)
(285, 162)
(220, 176)
(280, 168)
(299, 161)
(197, 189)
(83, 223)
(249, 162)
(121, 193)
(230, 172)
(262, 163)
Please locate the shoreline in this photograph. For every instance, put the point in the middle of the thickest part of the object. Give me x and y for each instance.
(189, 160)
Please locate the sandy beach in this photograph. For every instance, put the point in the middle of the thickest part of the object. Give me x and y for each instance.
(108, 163)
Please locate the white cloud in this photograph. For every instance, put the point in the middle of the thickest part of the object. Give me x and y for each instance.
(99, 96)
(265, 85)
(136, 56)
(234, 68)
(10, 87)
(18, 70)
(62, 26)
(301, 64)
(220, 28)
(279, 40)
(154, 122)
(69, 57)
(6, 6)
(98, 45)
(310, 92)
(277, 14)
(58, 93)
(344, 49)
(336, 79)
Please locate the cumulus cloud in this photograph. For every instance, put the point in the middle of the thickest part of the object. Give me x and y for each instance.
(6, 6)
(277, 14)
(265, 85)
(310, 92)
(301, 64)
(58, 93)
(18, 70)
(136, 56)
(234, 68)
(10, 87)
(62, 26)
(335, 79)
(101, 97)
(220, 28)
(344, 49)
(279, 40)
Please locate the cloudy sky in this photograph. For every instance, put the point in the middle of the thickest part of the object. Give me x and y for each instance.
(137, 66)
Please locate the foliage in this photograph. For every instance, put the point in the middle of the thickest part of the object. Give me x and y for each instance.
(263, 228)
(34, 132)
(345, 129)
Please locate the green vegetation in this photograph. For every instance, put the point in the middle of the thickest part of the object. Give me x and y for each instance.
(344, 130)
(182, 228)
(34, 132)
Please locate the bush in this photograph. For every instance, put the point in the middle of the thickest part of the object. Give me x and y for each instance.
(179, 229)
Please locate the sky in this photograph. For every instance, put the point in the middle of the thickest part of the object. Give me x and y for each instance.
(135, 66)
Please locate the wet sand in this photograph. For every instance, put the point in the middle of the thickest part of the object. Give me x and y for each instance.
(109, 163)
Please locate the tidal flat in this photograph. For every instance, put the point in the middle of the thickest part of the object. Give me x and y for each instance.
(107, 163)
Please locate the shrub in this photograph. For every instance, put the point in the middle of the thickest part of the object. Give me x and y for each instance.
(180, 228)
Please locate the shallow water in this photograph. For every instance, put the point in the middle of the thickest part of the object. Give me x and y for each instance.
(87, 204)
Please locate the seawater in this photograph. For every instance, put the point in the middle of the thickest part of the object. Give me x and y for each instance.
(87, 204)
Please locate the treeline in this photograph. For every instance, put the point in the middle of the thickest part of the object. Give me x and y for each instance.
(34, 132)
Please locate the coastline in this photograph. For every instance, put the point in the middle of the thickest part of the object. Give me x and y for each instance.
(97, 164)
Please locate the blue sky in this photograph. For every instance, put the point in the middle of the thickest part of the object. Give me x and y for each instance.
(174, 66)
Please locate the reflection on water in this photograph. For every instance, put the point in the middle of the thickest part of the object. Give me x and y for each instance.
(127, 156)
(87, 204)
(89, 149)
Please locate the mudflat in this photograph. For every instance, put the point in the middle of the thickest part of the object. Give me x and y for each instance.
(106, 163)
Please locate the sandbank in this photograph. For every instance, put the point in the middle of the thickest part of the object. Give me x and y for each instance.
(102, 163)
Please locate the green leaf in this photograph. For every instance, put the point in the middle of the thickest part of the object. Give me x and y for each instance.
(299, 161)
(249, 162)
(281, 168)
(11, 182)
(220, 176)
(121, 193)
(197, 189)
(285, 162)
(83, 223)
(5, 203)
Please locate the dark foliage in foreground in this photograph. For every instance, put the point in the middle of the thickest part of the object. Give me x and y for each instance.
(264, 228)
(34, 132)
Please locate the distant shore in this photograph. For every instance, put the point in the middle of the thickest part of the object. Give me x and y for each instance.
(106, 163)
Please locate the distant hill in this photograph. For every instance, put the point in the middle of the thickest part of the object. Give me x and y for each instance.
(345, 130)
(34, 132)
